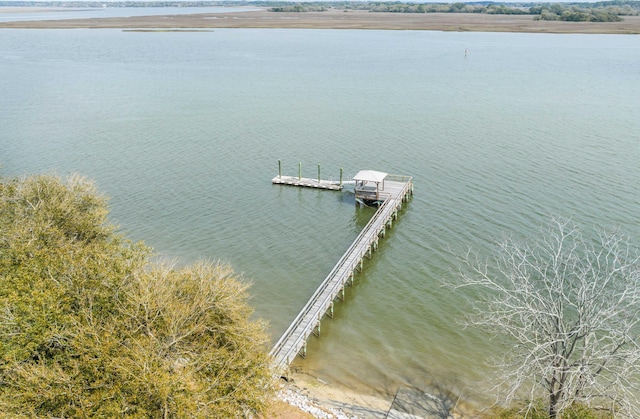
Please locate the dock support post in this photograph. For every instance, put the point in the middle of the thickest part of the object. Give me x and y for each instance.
(318, 172)
(317, 329)
(299, 170)
(341, 176)
(280, 168)
(330, 312)
(304, 350)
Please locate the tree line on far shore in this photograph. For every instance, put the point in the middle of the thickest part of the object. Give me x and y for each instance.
(609, 11)
(605, 11)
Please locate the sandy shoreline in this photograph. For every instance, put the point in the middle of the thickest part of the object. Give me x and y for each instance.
(339, 19)
(309, 393)
(333, 398)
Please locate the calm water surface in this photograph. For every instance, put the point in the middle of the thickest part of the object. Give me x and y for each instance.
(183, 131)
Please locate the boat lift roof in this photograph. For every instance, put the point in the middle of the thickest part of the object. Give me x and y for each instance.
(370, 176)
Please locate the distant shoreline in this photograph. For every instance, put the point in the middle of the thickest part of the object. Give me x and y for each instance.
(339, 19)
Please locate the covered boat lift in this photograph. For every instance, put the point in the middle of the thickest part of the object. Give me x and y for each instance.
(369, 187)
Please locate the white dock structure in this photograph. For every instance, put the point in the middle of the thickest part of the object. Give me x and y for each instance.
(306, 182)
(390, 195)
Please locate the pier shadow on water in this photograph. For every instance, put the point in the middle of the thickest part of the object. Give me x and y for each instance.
(410, 403)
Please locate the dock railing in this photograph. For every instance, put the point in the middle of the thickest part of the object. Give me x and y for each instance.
(347, 262)
(399, 178)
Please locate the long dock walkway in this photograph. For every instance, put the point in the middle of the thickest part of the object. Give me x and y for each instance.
(397, 190)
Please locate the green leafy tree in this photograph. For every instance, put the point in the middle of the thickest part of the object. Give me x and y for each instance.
(89, 327)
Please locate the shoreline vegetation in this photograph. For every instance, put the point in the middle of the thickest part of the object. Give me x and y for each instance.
(608, 11)
(611, 17)
(73, 346)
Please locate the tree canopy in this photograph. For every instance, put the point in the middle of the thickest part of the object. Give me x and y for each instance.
(90, 327)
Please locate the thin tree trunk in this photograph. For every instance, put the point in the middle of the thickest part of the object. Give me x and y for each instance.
(553, 405)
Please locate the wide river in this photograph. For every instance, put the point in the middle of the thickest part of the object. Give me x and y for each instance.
(184, 130)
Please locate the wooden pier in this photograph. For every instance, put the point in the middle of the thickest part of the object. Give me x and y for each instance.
(395, 192)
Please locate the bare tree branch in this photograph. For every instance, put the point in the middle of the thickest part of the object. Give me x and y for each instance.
(571, 307)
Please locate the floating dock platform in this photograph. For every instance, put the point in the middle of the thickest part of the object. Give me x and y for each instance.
(307, 183)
